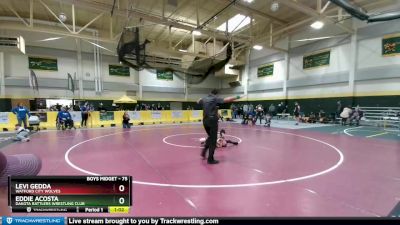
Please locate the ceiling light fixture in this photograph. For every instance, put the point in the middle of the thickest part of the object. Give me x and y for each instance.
(249, 1)
(62, 17)
(319, 38)
(274, 6)
(183, 50)
(97, 45)
(235, 23)
(196, 32)
(50, 39)
(257, 47)
(317, 25)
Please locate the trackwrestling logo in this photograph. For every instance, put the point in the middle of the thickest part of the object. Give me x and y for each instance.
(33, 220)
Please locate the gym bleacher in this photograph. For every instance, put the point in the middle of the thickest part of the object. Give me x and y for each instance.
(380, 116)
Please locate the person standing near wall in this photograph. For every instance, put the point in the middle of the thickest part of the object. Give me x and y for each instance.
(296, 112)
(21, 111)
(346, 114)
(285, 108)
(85, 114)
(272, 110)
(251, 108)
(125, 120)
(269, 115)
(58, 107)
(240, 111)
(260, 112)
(245, 111)
(280, 109)
(210, 121)
(234, 110)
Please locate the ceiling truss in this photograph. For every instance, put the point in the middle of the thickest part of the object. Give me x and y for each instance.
(174, 32)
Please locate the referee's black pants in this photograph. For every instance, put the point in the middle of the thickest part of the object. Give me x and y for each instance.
(211, 126)
(84, 119)
(259, 116)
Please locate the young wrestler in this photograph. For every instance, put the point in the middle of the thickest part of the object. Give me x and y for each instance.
(22, 134)
(221, 141)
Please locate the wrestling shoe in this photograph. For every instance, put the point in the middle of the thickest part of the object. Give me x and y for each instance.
(213, 161)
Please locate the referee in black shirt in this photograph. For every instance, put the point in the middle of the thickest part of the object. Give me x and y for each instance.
(210, 121)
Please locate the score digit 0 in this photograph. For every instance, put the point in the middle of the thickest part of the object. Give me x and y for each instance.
(121, 188)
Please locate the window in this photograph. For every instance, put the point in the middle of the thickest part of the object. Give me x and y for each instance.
(235, 23)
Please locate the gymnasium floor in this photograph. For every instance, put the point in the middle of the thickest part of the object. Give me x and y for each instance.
(307, 171)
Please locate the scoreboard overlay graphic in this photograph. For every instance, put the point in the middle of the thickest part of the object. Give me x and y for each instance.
(86, 194)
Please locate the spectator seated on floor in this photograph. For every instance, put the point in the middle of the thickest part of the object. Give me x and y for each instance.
(322, 118)
(22, 134)
(312, 118)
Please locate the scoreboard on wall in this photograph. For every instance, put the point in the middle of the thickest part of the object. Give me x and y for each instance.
(75, 194)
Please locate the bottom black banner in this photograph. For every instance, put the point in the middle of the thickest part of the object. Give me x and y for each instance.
(77, 209)
(212, 221)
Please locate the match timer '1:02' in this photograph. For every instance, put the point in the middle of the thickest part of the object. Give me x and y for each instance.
(88, 194)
